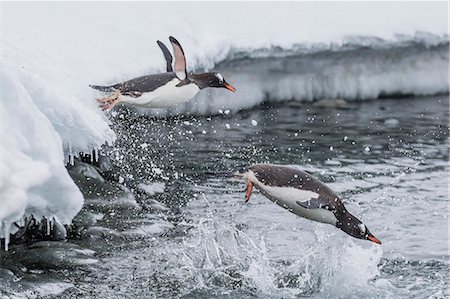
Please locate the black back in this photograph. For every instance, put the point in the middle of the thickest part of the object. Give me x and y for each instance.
(282, 176)
(148, 83)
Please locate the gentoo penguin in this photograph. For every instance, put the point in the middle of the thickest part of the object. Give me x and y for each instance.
(162, 90)
(303, 195)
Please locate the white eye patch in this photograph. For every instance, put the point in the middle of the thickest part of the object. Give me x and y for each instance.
(362, 227)
(220, 77)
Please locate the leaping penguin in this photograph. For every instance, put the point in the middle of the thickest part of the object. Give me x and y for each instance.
(303, 195)
(162, 90)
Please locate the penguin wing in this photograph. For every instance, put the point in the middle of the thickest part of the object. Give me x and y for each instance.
(180, 59)
(137, 86)
(167, 56)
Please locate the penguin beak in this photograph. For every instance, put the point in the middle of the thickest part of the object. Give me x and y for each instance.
(373, 239)
(229, 87)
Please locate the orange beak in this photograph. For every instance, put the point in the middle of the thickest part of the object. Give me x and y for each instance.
(373, 239)
(229, 87)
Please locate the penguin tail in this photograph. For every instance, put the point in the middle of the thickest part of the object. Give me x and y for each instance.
(104, 88)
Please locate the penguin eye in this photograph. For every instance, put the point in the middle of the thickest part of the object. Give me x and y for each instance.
(220, 78)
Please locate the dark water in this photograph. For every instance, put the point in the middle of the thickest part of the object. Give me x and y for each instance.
(176, 227)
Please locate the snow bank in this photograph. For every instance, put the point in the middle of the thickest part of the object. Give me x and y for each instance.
(418, 66)
(34, 180)
(52, 51)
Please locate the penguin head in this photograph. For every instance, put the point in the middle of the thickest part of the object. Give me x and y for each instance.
(218, 81)
(355, 228)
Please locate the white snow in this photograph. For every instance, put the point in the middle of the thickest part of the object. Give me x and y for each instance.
(52, 51)
(34, 179)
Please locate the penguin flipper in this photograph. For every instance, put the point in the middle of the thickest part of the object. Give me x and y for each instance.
(180, 59)
(167, 56)
(313, 203)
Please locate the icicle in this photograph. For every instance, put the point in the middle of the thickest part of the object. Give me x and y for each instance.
(96, 155)
(48, 226)
(6, 232)
(60, 232)
(6, 241)
(71, 160)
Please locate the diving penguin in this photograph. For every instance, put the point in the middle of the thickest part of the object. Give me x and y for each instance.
(303, 195)
(162, 90)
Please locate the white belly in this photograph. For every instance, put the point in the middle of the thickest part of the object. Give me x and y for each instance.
(286, 197)
(165, 96)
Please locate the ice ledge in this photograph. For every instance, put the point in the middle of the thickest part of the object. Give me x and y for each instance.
(33, 177)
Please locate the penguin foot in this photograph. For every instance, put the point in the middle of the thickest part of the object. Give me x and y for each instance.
(248, 193)
(107, 103)
(104, 100)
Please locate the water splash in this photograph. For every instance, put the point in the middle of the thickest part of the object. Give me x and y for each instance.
(229, 259)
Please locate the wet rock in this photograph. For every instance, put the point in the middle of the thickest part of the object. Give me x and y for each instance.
(87, 171)
(115, 203)
(101, 195)
(39, 230)
(53, 255)
(31, 286)
(82, 221)
(155, 229)
(103, 233)
(87, 218)
(92, 184)
(7, 276)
